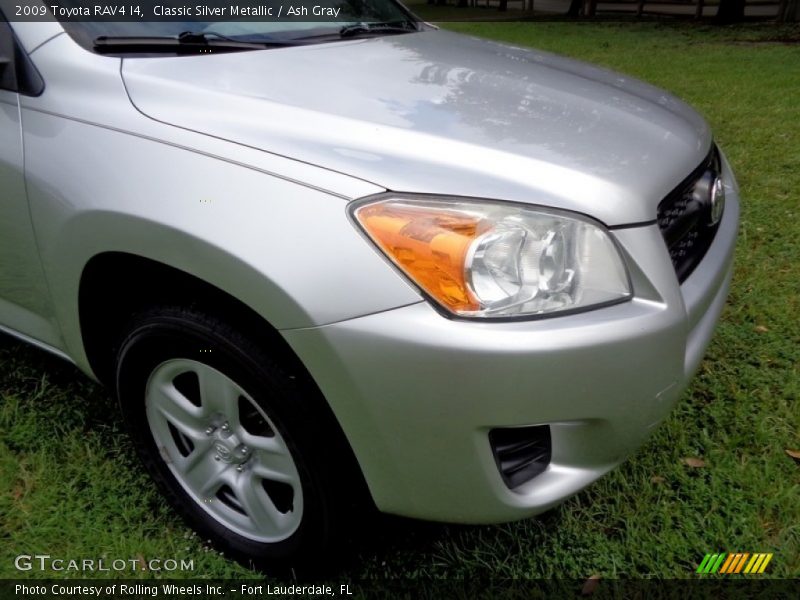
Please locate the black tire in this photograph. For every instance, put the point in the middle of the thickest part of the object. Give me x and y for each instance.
(331, 490)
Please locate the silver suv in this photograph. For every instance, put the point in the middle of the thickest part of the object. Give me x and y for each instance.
(332, 265)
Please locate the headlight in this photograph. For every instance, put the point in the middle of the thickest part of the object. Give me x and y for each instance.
(497, 260)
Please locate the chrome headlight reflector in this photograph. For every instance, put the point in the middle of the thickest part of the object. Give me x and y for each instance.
(485, 259)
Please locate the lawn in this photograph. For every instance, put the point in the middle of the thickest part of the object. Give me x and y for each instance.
(69, 485)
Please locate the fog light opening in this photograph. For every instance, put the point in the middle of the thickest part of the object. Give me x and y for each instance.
(521, 453)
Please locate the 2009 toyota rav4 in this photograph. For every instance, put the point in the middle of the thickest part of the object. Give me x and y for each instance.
(326, 265)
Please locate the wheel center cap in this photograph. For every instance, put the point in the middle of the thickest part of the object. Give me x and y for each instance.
(230, 451)
(224, 452)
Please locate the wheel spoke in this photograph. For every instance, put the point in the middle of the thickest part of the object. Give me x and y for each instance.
(271, 458)
(176, 409)
(204, 475)
(256, 503)
(266, 445)
(274, 470)
(201, 453)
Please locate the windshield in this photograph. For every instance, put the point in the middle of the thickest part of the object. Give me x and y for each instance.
(318, 21)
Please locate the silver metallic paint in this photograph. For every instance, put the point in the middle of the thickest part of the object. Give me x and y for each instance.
(437, 112)
(228, 168)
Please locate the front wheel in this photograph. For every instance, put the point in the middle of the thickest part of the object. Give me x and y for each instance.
(245, 452)
(223, 450)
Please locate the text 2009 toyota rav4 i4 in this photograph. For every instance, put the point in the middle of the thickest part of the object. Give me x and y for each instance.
(330, 265)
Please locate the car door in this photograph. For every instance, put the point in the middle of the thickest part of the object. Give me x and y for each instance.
(24, 303)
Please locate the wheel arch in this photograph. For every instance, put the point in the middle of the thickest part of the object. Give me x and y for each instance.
(115, 285)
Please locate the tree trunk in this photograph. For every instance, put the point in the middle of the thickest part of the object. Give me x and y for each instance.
(503, 5)
(730, 11)
(698, 13)
(575, 8)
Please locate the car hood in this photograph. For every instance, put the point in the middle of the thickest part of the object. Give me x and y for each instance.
(437, 112)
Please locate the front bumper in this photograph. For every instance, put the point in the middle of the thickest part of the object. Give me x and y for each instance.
(416, 394)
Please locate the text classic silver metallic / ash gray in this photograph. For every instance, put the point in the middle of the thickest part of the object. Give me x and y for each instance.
(335, 265)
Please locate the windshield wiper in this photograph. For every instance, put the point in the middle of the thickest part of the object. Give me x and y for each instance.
(377, 28)
(185, 43)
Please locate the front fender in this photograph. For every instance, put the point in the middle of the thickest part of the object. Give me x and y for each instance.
(286, 250)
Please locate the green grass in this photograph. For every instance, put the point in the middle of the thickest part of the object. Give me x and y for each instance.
(69, 487)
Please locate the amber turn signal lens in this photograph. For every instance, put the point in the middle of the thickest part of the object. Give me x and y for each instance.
(429, 244)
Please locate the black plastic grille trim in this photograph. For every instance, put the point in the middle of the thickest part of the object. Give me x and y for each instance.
(683, 217)
(521, 453)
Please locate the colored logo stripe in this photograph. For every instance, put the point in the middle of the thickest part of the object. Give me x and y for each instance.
(732, 563)
(727, 565)
(766, 558)
(710, 563)
(740, 563)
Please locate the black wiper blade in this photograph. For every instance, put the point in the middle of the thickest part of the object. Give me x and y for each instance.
(185, 43)
(377, 28)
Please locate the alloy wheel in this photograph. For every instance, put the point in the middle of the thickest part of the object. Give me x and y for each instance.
(224, 450)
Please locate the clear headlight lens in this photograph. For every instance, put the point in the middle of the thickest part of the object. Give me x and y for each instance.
(498, 260)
